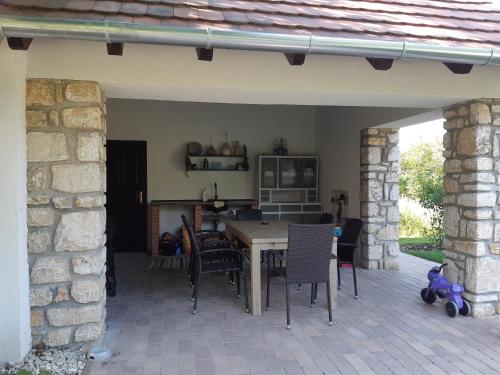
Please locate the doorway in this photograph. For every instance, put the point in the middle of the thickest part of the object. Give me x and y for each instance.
(126, 195)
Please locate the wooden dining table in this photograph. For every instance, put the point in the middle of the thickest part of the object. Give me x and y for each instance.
(260, 236)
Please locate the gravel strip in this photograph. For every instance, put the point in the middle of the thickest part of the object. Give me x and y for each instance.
(69, 361)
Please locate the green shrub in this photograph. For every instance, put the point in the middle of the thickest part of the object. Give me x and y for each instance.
(411, 225)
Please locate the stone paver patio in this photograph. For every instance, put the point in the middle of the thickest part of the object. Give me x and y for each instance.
(388, 330)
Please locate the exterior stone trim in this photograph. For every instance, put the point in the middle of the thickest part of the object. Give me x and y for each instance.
(380, 198)
(472, 201)
(66, 216)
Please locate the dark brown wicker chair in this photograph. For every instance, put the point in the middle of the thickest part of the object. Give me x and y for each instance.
(307, 261)
(212, 260)
(346, 246)
(249, 214)
(326, 219)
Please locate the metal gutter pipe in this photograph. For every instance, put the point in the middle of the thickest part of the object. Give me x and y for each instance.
(116, 32)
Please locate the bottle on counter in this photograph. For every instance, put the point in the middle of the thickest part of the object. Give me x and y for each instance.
(204, 195)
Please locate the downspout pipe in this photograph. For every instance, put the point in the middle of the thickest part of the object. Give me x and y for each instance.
(117, 32)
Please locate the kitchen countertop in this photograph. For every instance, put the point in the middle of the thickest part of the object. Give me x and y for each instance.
(195, 202)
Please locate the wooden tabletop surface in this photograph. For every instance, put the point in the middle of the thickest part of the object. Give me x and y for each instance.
(256, 232)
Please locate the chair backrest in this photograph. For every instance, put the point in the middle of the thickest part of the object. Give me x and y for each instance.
(351, 230)
(192, 238)
(249, 214)
(309, 253)
(326, 219)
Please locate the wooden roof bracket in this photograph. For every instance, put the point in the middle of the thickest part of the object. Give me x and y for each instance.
(205, 54)
(115, 49)
(380, 64)
(459, 68)
(19, 44)
(295, 58)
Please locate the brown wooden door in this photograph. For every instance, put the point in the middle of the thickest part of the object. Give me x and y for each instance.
(126, 195)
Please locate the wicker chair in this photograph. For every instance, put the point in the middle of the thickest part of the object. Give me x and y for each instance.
(212, 260)
(346, 246)
(249, 214)
(307, 262)
(326, 219)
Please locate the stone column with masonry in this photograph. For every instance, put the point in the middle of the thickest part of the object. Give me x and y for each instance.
(472, 201)
(66, 216)
(380, 198)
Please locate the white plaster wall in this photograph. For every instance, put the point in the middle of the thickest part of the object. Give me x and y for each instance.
(338, 145)
(169, 126)
(15, 332)
(174, 73)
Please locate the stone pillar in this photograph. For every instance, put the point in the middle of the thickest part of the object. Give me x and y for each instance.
(380, 198)
(472, 201)
(15, 334)
(66, 215)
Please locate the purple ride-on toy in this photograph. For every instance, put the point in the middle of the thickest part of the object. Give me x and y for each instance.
(439, 286)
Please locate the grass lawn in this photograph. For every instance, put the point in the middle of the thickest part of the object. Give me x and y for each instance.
(434, 255)
(414, 241)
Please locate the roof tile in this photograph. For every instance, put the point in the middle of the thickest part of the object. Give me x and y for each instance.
(211, 15)
(134, 8)
(190, 14)
(160, 10)
(107, 6)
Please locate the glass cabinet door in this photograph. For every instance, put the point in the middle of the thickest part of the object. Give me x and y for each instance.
(268, 173)
(309, 170)
(289, 173)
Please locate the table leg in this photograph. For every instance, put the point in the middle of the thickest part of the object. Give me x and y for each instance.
(255, 290)
(155, 230)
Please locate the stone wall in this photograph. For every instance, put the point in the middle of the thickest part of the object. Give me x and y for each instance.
(66, 216)
(472, 201)
(379, 198)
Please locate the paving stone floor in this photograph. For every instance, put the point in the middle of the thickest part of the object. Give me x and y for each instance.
(388, 330)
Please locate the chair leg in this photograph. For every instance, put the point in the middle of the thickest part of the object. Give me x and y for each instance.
(245, 290)
(315, 292)
(193, 277)
(338, 276)
(312, 295)
(238, 285)
(355, 281)
(189, 265)
(268, 256)
(288, 326)
(195, 292)
(329, 298)
(231, 277)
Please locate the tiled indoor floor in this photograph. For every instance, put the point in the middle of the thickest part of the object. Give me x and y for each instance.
(388, 330)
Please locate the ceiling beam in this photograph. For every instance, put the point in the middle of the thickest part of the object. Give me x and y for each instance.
(295, 58)
(380, 64)
(205, 54)
(19, 44)
(115, 49)
(459, 68)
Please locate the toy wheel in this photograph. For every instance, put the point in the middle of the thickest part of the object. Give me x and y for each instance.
(441, 295)
(428, 298)
(466, 309)
(451, 309)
